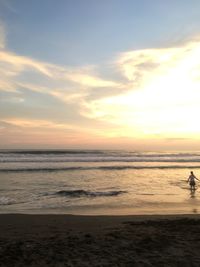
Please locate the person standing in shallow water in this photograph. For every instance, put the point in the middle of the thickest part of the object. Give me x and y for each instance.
(191, 181)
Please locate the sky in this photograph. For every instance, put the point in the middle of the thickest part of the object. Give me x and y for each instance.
(100, 74)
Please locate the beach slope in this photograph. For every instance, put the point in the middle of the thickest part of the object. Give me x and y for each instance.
(66, 240)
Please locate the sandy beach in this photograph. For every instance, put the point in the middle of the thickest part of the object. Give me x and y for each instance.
(67, 240)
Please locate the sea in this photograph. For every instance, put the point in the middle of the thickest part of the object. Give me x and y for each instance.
(98, 182)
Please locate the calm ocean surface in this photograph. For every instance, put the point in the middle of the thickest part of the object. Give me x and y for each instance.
(97, 182)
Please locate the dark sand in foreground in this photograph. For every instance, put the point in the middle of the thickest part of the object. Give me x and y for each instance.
(66, 240)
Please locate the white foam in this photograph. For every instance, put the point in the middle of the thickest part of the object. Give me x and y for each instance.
(6, 201)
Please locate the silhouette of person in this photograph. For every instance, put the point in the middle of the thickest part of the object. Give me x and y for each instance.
(191, 181)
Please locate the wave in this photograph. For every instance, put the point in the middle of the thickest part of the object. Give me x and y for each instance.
(64, 156)
(39, 169)
(83, 193)
(52, 152)
(92, 152)
(97, 160)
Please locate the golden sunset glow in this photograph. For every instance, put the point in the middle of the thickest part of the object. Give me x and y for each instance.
(138, 94)
(165, 100)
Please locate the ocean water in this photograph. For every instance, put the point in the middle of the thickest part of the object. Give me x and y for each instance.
(97, 182)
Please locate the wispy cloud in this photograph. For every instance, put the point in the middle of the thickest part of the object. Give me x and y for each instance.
(68, 85)
(19, 132)
(157, 95)
(15, 64)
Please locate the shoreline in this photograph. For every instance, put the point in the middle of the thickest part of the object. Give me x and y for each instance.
(80, 240)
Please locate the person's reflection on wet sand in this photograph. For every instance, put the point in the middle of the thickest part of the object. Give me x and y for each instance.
(192, 193)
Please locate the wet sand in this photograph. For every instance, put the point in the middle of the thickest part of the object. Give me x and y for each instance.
(67, 240)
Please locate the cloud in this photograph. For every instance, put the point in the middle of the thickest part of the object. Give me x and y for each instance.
(44, 96)
(162, 95)
(39, 124)
(14, 65)
(72, 86)
(155, 89)
(45, 133)
(144, 65)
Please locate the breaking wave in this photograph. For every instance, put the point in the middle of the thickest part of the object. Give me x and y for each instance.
(84, 193)
(123, 167)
